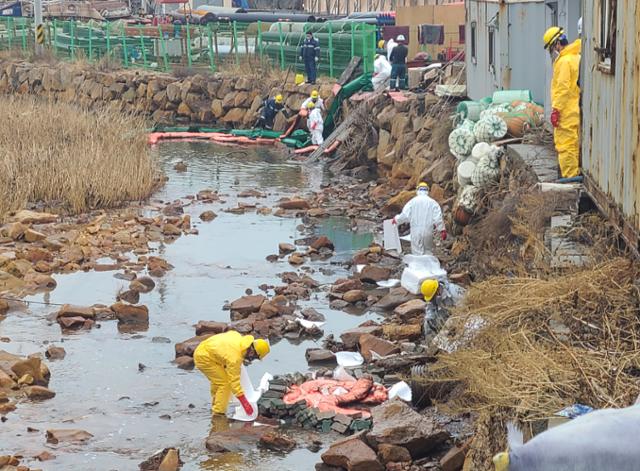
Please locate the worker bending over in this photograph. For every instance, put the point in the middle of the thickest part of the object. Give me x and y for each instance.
(381, 73)
(270, 109)
(315, 98)
(424, 215)
(398, 59)
(220, 358)
(565, 99)
(315, 124)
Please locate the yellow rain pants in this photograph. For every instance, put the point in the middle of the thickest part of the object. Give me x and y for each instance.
(220, 358)
(565, 97)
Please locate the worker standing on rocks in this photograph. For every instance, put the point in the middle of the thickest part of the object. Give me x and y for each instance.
(381, 73)
(565, 99)
(315, 98)
(398, 59)
(270, 109)
(424, 215)
(220, 358)
(310, 55)
(315, 124)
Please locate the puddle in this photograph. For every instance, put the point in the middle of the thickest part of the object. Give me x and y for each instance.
(98, 385)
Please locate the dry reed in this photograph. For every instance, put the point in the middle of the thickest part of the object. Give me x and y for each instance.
(71, 158)
(550, 342)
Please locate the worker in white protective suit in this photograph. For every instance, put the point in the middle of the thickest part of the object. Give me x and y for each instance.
(390, 45)
(315, 124)
(424, 215)
(381, 73)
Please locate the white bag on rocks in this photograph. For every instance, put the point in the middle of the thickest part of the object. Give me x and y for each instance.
(420, 268)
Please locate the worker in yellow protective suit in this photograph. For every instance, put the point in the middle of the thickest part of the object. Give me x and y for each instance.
(565, 99)
(220, 358)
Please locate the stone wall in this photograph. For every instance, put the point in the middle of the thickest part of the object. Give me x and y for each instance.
(213, 100)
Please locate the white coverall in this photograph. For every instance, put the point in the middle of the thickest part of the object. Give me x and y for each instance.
(424, 215)
(381, 73)
(319, 103)
(316, 125)
(390, 45)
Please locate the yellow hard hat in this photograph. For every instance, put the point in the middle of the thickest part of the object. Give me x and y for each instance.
(381, 44)
(314, 94)
(551, 36)
(278, 98)
(429, 288)
(422, 185)
(311, 105)
(261, 347)
(501, 462)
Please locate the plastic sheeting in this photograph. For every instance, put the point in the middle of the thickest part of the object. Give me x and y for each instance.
(401, 390)
(391, 236)
(420, 268)
(349, 359)
(235, 410)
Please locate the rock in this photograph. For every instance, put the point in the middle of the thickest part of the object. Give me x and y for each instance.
(373, 274)
(187, 347)
(45, 456)
(370, 344)
(184, 362)
(319, 355)
(207, 216)
(393, 299)
(39, 281)
(180, 167)
(55, 353)
(454, 459)
(18, 268)
(73, 323)
(295, 259)
(235, 440)
(31, 366)
(171, 230)
(342, 285)
(14, 230)
(311, 314)
(39, 393)
(277, 441)
(6, 381)
(394, 205)
(354, 296)
(400, 332)
(33, 236)
(246, 305)
(130, 296)
(70, 310)
(284, 248)
(144, 284)
(395, 423)
(33, 217)
(322, 242)
(351, 338)
(210, 327)
(164, 460)
(130, 314)
(352, 454)
(412, 308)
(4, 307)
(56, 436)
(393, 453)
(295, 203)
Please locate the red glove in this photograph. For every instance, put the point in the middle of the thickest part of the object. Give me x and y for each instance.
(443, 234)
(394, 222)
(245, 404)
(555, 118)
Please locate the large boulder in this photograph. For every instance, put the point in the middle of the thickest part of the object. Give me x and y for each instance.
(189, 346)
(210, 327)
(411, 308)
(351, 337)
(236, 440)
(352, 454)
(373, 274)
(393, 299)
(130, 314)
(246, 305)
(370, 344)
(395, 423)
(55, 436)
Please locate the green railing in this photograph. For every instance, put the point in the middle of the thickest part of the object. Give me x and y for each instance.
(211, 46)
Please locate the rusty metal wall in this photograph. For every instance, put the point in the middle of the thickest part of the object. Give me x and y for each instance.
(611, 111)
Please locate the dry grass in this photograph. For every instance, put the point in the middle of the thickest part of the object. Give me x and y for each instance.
(550, 342)
(69, 157)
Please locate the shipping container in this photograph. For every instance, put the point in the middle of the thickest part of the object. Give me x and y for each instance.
(611, 110)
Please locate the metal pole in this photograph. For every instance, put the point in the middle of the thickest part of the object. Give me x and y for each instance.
(39, 29)
(330, 51)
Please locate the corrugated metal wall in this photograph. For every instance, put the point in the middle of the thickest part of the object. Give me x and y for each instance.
(519, 59)
(610, 103)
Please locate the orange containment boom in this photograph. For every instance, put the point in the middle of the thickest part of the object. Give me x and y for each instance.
(156, 137)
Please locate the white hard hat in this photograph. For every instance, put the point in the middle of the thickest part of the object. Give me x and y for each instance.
(400, 37)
